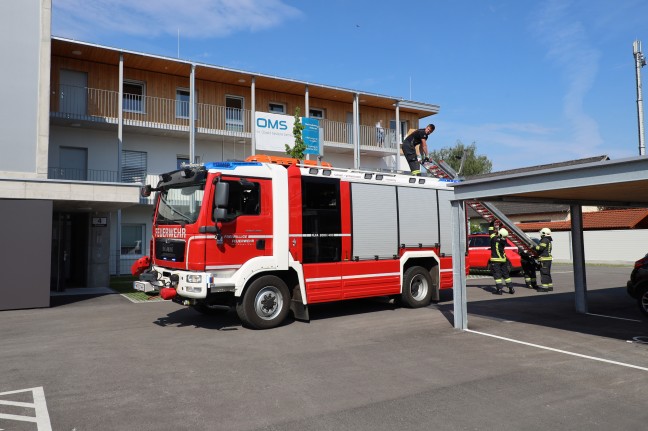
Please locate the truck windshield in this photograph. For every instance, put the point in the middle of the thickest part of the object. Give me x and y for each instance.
(180, 205)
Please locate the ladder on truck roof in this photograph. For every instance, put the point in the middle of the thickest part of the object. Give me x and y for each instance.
(487, 211)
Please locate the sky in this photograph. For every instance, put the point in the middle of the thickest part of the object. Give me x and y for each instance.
(529, 82)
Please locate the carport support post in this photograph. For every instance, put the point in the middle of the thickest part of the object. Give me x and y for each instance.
(459, 264)
(578, 251)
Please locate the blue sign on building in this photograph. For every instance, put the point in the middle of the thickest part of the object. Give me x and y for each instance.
(310, 134)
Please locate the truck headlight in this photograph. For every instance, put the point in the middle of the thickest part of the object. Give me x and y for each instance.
(194, 278)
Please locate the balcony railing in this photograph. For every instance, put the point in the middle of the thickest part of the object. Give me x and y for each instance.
(96, 105)
(56, 173)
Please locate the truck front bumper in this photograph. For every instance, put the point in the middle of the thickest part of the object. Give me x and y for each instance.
(188, 284)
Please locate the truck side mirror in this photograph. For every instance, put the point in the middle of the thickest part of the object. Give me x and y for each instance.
(221, 196)
(220, 214)
(145, 191)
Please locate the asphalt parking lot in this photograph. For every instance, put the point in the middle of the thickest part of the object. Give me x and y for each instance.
(528, 361)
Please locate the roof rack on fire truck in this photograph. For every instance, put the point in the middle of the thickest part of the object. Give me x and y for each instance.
(367, 174)
(285, 161)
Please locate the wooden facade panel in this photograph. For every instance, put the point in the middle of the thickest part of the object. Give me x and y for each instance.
(103, 79)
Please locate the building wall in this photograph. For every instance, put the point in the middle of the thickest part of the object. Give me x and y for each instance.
(101, 146)
(27, 239)
(23, 120)
(603, 246)
(105, 77)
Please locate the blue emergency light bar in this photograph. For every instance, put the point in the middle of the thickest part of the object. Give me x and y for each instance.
(229, 166)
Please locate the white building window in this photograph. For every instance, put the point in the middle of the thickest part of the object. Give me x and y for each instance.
(277, 108)
(181, 160)
(234, 113)
(134, 96)
(182, 103)
(134, 166)
(132, 239)
(316, 113)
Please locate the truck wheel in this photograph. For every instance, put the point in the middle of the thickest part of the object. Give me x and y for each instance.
(265, 303)
(642, 300)
(417, 287)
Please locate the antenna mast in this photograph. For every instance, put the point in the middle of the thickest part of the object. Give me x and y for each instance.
(640, 61)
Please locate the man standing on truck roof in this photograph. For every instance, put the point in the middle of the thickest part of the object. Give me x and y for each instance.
(417, 137)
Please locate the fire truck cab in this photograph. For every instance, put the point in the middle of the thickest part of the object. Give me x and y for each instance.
(267, 239)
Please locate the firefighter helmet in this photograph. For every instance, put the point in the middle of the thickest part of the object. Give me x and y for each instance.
(503, 233)
(545, 231)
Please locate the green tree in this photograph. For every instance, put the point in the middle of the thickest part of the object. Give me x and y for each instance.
(297, 152)
(476, 228)
(472, 165)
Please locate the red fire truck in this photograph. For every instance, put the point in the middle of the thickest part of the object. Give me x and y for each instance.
(269, 239)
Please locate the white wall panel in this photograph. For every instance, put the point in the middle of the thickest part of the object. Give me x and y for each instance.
(602, 246)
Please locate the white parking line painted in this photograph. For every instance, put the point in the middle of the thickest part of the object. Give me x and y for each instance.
(593, 358)
(614, 317)
(41, 416)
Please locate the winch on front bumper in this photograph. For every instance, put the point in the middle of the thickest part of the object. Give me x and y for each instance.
(193, 285)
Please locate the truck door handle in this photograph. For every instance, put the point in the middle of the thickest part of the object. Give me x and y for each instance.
(260, 244)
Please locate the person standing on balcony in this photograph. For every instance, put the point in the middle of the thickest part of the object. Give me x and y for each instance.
(380, 134)
(417, 137)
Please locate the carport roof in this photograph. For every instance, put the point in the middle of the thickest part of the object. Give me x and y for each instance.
(622, 182)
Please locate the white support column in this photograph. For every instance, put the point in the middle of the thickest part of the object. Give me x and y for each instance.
(120, 117)
(252, 113)
(459, 264)
(120, 141)
(306, 109)
(192, 114)
(578, 251)
(399, 136)
(356, 131)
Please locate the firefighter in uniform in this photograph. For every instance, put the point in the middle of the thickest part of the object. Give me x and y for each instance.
(498, 263)
(417, 137)
(529, 267)
(544, 251)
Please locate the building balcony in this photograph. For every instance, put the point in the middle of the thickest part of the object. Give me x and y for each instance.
(158, 115)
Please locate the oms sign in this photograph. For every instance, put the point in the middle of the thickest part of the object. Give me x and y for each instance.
(274, 131)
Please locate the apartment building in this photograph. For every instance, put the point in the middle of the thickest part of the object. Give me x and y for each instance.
(89, 124)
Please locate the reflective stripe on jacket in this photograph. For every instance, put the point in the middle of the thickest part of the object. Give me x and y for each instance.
(544, 248)
(497, 246)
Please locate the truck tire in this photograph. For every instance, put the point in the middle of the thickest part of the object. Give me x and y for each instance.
(642, 299)
(265, 303)
(417, 287)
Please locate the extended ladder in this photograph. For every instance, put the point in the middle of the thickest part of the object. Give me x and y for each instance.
(486, 210)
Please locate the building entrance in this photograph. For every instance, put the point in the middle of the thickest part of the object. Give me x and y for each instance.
(69, 251)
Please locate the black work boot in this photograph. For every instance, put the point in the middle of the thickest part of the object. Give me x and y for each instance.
(511, 289)
(498, 289)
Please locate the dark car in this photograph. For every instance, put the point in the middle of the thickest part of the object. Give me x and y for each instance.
(479, 253)
(638, 284)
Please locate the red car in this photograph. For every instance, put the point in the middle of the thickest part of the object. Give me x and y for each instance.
(479, 253)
